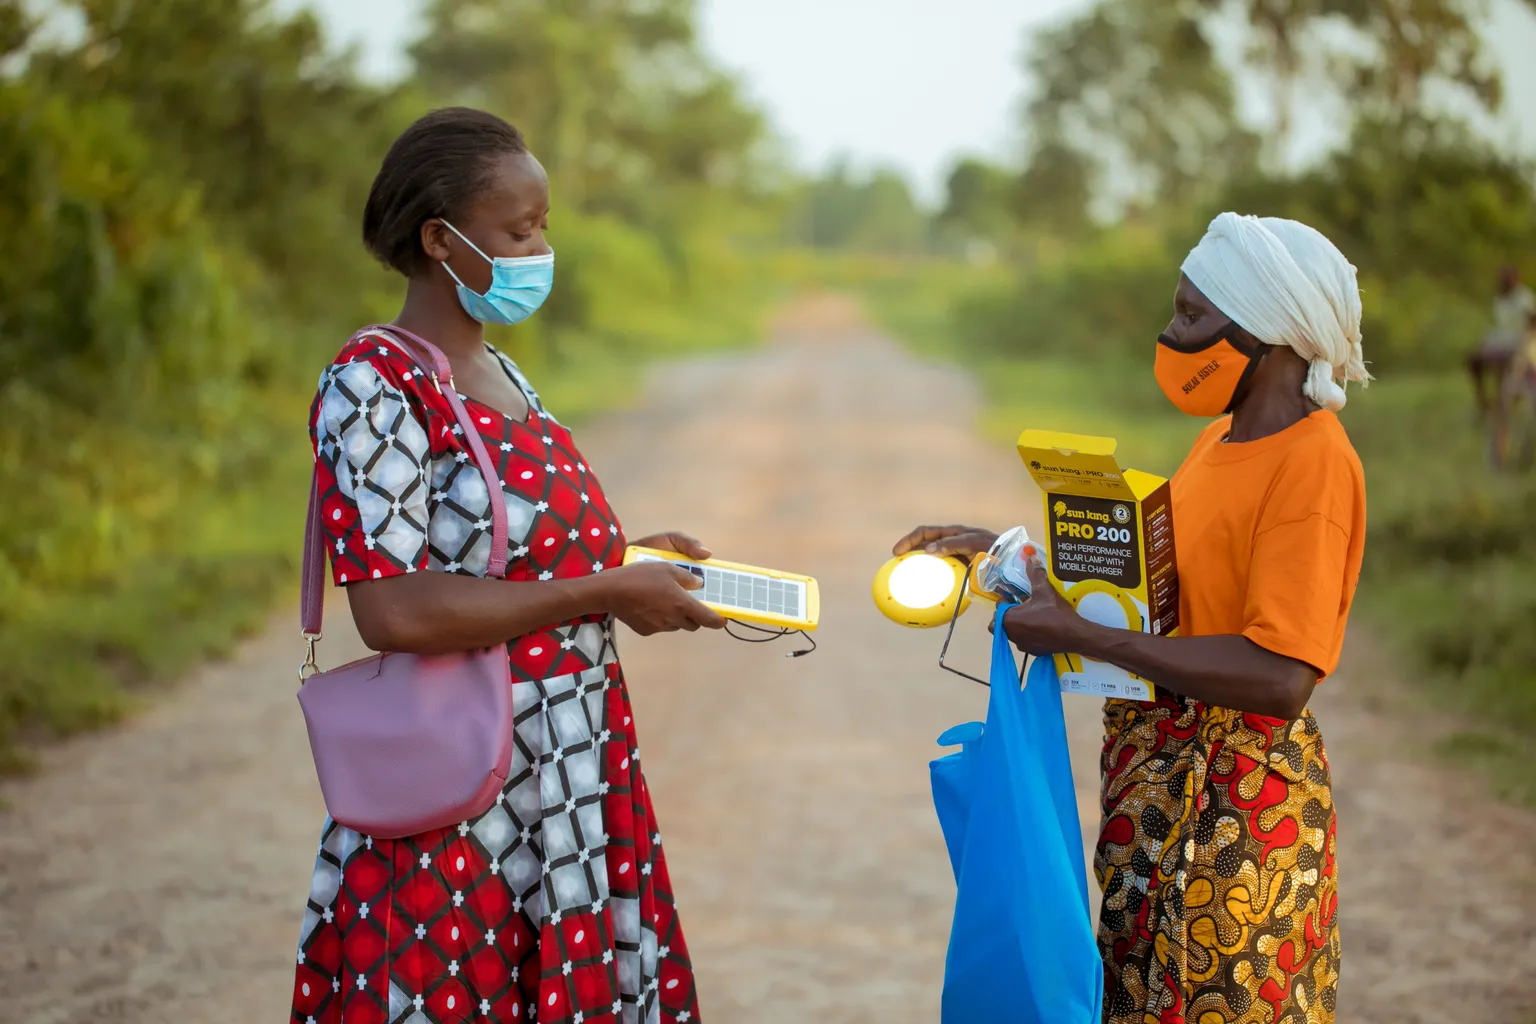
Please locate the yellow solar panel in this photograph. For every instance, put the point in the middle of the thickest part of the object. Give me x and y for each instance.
(747, 593)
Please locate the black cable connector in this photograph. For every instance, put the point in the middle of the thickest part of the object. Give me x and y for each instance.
(770, 636)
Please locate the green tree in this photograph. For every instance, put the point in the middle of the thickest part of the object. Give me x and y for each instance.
(273, 129)
(1055, 190)
(16, 26)
(1285, 43)
(874, 213)
(1416, 42)
(614, 95)
(1408, 45)
(1135, 88)
(977, 200)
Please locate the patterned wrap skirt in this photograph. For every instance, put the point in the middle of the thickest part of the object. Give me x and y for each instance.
(552, 907)
(1216, 861)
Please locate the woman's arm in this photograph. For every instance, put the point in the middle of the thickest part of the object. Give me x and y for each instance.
(963, 541)
(439, 613)
(371, 440)
(1228, 671)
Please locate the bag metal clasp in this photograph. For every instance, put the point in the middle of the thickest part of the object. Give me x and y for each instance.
(310, 667)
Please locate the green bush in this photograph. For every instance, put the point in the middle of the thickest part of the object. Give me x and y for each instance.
(135, 424)
(1449, 575)
(1106, 299)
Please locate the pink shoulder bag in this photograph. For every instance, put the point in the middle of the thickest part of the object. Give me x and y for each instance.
(405, 743)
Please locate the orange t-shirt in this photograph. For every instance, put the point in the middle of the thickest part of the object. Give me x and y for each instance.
(1269, 536)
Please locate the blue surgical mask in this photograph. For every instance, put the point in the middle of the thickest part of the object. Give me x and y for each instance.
(519, 286)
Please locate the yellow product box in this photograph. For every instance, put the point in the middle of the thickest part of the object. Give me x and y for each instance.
(1109, 537)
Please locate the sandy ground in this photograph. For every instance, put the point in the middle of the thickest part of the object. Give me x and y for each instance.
(156, 873)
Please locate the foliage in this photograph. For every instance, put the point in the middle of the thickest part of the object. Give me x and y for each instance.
(1105, 299)
(16, 27)
(1136, 95)
(979, 200)
(1387, 60)
(1448, 576)
(184, 180)
(273, 131)
(1136, 88)
(1055, 190)
(871, 213)
(612, 94)
(128, 348)
(1415, 43)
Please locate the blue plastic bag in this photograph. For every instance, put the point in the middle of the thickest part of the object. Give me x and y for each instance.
(1021, 947)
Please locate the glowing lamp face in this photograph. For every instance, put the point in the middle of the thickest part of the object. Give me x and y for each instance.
(921, 590)
(923, 581)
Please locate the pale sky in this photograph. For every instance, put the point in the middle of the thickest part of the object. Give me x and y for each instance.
(906, 83)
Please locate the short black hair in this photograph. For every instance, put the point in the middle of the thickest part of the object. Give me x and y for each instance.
(434, 169)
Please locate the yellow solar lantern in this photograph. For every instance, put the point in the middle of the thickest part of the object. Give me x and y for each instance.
(921, 590)
(924, 590)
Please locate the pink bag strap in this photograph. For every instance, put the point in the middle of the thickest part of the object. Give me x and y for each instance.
(431, 359)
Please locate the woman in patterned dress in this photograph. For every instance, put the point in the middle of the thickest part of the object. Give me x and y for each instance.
(554, 905)
(1216, 846)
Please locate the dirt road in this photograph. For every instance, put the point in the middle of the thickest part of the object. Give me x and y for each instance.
(157, 873)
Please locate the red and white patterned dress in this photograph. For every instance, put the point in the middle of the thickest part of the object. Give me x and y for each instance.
(554, 905)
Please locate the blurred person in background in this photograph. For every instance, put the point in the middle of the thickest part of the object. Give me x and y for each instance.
(1216, 846)
(554, 905)
(1513, 308)
(1522, 364)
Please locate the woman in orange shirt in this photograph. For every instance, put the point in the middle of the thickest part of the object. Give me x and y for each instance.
(1216, 846)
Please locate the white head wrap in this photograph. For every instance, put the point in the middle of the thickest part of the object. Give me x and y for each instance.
(1286, 284)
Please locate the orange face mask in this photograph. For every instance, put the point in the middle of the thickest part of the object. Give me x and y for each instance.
(1203, 379)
